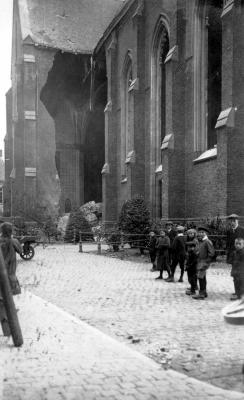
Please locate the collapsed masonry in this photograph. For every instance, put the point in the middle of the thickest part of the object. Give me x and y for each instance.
(55, 131)
(79, 128)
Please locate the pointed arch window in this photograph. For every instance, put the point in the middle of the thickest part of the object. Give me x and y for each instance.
(127, 113)
(207, 72)
(158, 89)
(160, 49)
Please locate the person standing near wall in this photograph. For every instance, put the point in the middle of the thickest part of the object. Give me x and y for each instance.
(234, 232)
(171, 233)
(162, 246)
(178, 254)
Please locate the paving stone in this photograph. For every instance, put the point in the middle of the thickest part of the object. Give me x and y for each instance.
(65, 348)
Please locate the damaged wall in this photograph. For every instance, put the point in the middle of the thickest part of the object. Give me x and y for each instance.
(48, 187)
(79, 133)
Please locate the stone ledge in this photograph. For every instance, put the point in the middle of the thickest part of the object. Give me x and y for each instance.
(168, 142)
(210, 154)
(228, 6)
(105, 169)
(226, 118)
(131, 157)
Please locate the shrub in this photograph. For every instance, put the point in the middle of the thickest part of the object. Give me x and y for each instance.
(134, 222)
(76, 224)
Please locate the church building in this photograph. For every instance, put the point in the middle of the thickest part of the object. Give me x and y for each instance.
(112, 99)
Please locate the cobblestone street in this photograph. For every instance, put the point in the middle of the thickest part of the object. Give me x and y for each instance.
(123, 300)
(66, 359)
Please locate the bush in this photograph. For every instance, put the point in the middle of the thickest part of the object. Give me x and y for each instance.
(134, 222)
(76, 224)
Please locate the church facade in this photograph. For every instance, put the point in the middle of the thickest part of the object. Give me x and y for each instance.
(151, 106)
(174, 114)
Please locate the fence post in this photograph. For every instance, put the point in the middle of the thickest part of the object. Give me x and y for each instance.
(80, 243)
(74, 235)
(99, 250)
(122, 242)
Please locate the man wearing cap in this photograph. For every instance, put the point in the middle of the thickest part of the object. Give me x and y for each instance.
(171, 233)
(206, 253)
(234, 232)
(178, 254)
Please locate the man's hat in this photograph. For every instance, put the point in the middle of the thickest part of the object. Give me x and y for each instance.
(233, 216)
(180, 228)
(203, 228)
(169, 223)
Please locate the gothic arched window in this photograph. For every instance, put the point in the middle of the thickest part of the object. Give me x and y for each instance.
(160, 48)
(207, 72)
(127, 112)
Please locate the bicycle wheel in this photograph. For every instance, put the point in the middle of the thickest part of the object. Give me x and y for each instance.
(9, 305)
(28, 253)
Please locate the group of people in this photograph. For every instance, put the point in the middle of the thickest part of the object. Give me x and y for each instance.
(193, 251)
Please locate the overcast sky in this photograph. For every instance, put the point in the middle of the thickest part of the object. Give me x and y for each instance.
(5, 82)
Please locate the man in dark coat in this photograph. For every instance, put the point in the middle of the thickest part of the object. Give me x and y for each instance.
(178, 254)
(171, 233)
(238, 267)
(152, 249)
(162, 246)
(234, 232)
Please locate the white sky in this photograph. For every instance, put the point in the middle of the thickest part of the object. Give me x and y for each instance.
(5, 82)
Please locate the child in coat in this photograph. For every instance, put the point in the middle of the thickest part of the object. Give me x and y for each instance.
(162, 246)
(205, 257)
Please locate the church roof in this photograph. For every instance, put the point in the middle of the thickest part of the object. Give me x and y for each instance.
(69, 25)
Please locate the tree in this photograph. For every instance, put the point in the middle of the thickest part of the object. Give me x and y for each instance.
(134, 221)
(76, 224)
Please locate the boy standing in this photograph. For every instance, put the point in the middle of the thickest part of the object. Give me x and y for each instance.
(191, 267)
(237, 271)
(206, 254)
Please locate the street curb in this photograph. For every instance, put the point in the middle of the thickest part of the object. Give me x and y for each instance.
(2, 362)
